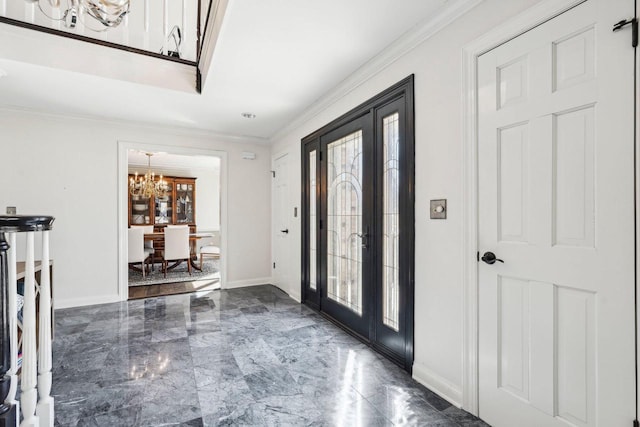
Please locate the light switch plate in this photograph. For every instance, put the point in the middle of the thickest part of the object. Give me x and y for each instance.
(11, 210)
(438, 209)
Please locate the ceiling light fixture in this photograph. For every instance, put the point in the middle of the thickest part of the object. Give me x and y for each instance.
(105, 14)
(147, 186)
(248, 115)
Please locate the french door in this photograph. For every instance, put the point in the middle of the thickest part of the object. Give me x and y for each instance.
(346, 210)
(358, 222)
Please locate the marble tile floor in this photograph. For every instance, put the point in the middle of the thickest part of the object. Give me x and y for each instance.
(242, 357)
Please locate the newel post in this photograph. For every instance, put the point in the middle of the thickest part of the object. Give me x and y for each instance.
(8, 415)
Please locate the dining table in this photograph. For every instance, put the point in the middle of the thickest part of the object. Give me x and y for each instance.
(193, 239)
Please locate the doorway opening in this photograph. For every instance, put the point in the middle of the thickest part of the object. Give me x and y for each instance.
(172, 238)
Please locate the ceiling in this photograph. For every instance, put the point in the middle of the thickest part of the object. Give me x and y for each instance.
(273, 58)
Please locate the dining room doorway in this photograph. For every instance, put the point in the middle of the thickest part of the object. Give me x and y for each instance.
(171, 220)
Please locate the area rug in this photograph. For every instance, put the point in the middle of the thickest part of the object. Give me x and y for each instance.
(210, 271)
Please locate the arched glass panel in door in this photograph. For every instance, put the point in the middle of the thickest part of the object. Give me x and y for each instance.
(344, 221)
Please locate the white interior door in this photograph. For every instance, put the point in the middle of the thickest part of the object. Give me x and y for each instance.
(556, 203)
(281, 218)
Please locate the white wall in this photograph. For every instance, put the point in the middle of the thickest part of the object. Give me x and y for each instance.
(68, 168)
(207, 199)
(437, 65)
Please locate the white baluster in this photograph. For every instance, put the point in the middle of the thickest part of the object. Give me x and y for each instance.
(44, 409)
(13, 322)
(184, 20)
(30, 12)
(165, 19)
(29, 395)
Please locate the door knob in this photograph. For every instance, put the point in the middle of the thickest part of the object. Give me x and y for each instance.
(490, 258)
(285, 231)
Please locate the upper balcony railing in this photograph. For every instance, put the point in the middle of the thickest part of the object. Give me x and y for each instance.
(168, 29)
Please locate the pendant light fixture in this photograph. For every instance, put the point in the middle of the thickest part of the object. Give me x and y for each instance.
(148, 186)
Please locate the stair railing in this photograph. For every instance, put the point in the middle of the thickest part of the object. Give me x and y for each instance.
(36, 401)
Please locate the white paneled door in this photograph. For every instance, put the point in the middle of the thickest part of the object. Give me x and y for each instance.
(281, 218)
(556, 205)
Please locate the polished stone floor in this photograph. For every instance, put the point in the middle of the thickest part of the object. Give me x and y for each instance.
(242, 357)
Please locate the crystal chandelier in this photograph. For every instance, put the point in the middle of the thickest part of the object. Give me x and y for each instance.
(147, 186)
(104, 14)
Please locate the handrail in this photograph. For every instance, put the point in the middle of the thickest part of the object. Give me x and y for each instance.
(37, 404)
(23, 223)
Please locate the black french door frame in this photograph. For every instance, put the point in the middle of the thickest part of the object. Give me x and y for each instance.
(310, 296)
(396, 345)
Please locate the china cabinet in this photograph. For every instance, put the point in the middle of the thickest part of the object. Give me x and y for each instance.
(177, 207)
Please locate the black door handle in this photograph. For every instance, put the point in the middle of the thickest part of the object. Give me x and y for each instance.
(365, 238)
(285, 231)
(490, 258)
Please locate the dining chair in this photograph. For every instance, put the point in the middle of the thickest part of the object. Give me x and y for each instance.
(148, 244)
(209, 251)
(176, 246)
(137, 253)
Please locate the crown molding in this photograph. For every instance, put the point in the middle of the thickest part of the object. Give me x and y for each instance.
(174, 130)
(394, 51)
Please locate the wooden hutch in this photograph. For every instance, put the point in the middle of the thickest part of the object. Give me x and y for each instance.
(177, 208)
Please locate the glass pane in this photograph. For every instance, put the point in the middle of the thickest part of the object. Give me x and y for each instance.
(390, 229)
(344, 221)
(164, 207)
(312, 221)
(184, 204)
(140, 210)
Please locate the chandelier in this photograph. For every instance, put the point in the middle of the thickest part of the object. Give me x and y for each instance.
(147, 186)
(104, 14)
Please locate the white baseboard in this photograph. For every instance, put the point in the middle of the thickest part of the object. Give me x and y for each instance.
(80, 302)
(245, 283)
(295, 297)
(437, 384)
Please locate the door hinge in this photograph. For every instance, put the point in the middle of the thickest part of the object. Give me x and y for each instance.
(320, 153)
(478, 256)
(634, 29)
(273, 173)
(320, 225)
(274, 265)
